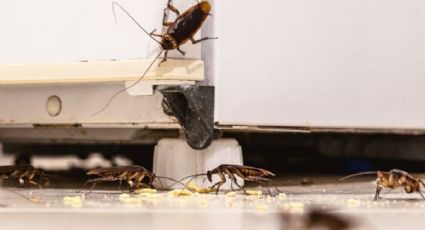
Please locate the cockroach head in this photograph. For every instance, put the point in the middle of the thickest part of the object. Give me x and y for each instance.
(152, 178)
(168, 42)
(380, 176)
(209, 176)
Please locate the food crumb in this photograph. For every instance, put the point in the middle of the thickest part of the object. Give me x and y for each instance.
(34, 198)
(126, 198)
(180, 192)
(254, 192)
(73, 201)
(145, 190)
(231, 194)
(282, 196)
(352, 203)
(198, 188)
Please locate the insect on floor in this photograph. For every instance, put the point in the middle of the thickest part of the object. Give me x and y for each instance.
(108, 209)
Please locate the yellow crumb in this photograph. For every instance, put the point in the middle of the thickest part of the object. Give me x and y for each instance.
(353, 203)
(254, 192)
(73, 201)
(145, 190)
(180, 192)
(282, 196)
(198, 188)
(126, 198)
(144, 194)
(231, 194)
(34, 198)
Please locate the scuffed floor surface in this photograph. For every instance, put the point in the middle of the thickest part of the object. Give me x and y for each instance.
(109, 210)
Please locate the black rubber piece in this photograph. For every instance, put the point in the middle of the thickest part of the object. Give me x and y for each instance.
(193, 106)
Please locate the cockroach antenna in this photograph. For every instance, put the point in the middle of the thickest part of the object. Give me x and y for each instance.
(126, 88)
(191, 176)
(133, 19)
(146, 71)
(360, 174)
(175, 181)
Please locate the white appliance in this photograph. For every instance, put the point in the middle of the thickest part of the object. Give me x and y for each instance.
(281, 65)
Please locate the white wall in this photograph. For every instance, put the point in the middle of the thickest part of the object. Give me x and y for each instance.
(75, 30)
(321, 63)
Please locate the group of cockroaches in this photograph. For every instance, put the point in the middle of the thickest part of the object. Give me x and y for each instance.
(178, 32)
(25, 175)
(137, 176)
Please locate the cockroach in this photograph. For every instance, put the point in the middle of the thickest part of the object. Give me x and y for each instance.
(178, 32)
(133, 175)
(317, 219)
(395, 178)
(247, 173)
(23, 174)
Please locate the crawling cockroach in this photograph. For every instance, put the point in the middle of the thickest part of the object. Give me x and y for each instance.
(178, 32)
(181, 30)
(245, 172)
(395, 178)
(23, 174)
(133, 175)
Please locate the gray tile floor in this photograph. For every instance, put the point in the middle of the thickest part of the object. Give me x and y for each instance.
(47, 209)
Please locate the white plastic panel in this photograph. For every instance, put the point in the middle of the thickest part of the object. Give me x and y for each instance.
(321, 63)
(75, 30)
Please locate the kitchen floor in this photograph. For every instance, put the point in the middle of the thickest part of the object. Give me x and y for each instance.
(350, 202)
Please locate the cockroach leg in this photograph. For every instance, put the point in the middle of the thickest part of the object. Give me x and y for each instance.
(120, 186)
(165, 18)
(172, 8)
(164, 59)
(422, 195)
(378, 190)
(238, 172)
(265, 184)
(220, 183)
(234, 180)
(99, 180)
(194, 41)
(181, 51)
(31, 182)
(262, 181)
(153, 34)
(231, 186)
